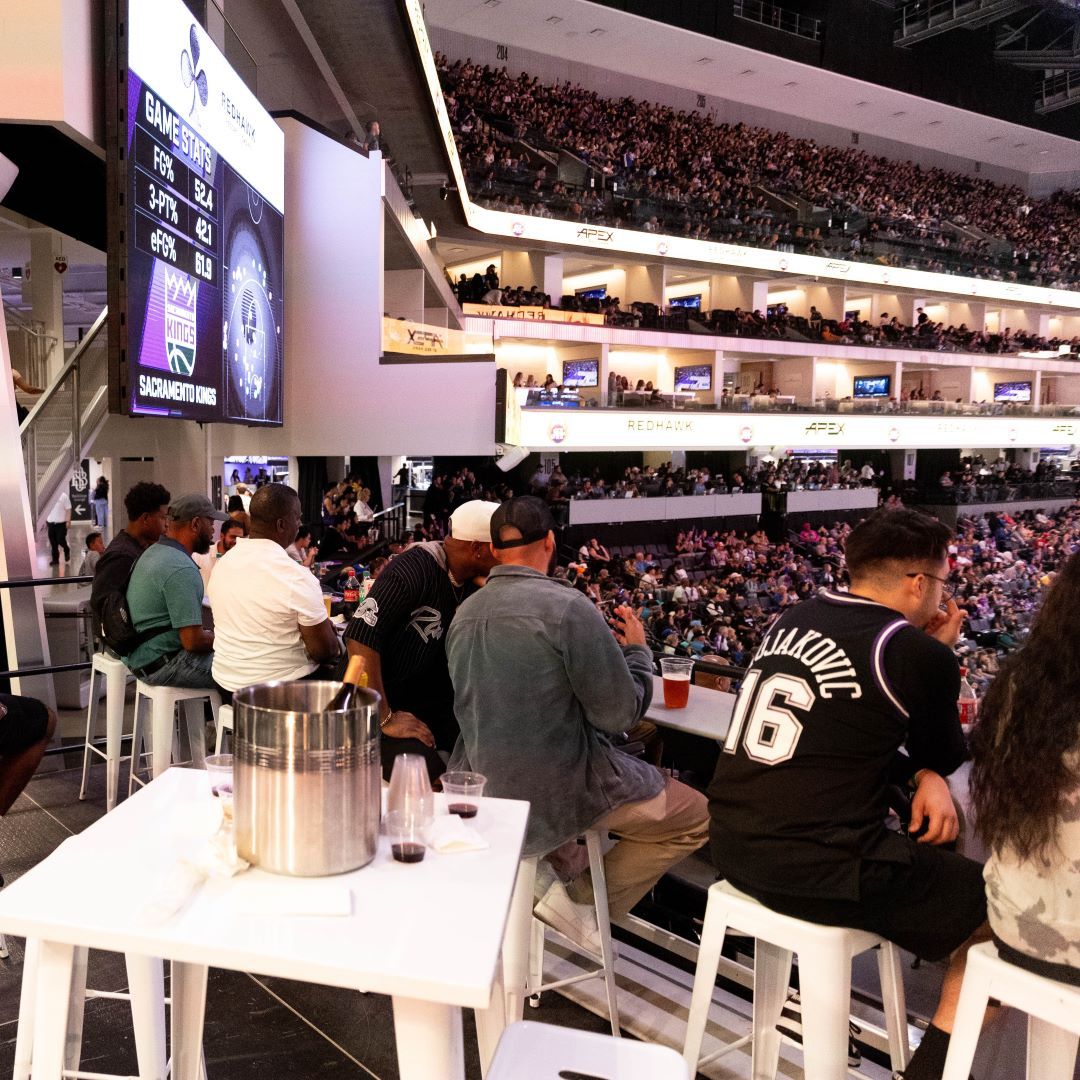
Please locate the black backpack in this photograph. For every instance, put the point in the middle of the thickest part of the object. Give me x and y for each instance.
(112, 620)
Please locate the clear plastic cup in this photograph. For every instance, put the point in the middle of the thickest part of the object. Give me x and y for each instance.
(410, 788)
(219, 770)
(676, 672)
(406, 834)
(463, 792)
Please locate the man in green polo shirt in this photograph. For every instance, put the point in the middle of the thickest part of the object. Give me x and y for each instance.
(165, 593)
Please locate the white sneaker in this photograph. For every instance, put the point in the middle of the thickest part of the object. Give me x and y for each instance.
(577, 922)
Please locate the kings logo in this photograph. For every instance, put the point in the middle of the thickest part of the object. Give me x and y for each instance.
(181, 292)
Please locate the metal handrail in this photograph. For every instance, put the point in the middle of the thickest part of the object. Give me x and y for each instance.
(30, 582)
(70, 364)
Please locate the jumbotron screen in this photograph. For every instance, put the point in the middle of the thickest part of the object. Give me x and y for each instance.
(202, 171)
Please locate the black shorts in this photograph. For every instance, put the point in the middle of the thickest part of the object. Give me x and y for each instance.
(929, 906)
(25, 723)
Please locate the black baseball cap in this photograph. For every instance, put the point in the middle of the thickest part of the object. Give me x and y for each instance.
(528, 514)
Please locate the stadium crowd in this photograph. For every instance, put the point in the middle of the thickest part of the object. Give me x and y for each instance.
(714, 593)
(679, 173)
(777, 322)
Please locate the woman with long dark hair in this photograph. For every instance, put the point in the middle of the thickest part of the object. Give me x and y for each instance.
(1026, 790)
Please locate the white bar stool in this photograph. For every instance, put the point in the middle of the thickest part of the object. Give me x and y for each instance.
(116, 675)
(825, 954)
(162, 702)
(523, 952)
(224, 723)
(146, 992)
(530, 1051)
(1053, 1010)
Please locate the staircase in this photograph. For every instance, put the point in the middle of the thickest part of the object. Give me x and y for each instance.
(29, 345)
(66, 419)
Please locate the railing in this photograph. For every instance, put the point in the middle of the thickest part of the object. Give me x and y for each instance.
(992, 491)
(787, 403)
(1058, 91)
(49, 669)
(66, 418)
(392, 523)
(30, 346)
(790, 22)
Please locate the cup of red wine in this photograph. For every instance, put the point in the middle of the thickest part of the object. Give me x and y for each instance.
(463, 791)
(406, 834)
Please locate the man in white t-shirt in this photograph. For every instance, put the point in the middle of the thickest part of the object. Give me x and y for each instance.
(270, 620)
(57, 523)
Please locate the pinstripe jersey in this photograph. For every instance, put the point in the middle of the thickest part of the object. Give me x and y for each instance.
(838, 685)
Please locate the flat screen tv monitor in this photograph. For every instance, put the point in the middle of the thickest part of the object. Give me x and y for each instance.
(695, 377)
(580, 372)
(1013, 391)
(597, 292)
(687, 301)
(196, 227)
(872, 386)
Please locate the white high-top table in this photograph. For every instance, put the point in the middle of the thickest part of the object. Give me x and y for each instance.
(707, 713)
(428, 934)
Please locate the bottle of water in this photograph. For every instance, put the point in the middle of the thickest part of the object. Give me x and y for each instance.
(967, 703)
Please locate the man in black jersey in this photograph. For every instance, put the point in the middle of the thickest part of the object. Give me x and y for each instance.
(839, 686)
(400, 631)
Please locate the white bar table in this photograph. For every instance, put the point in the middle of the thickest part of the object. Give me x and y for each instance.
(707, 713)
(427, 934)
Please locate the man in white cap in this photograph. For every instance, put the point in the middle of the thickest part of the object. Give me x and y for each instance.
(400, 631)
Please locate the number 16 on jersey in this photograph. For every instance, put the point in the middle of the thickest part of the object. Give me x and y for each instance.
(767, 713)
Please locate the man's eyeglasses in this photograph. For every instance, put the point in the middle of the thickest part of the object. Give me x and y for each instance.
(948, 588)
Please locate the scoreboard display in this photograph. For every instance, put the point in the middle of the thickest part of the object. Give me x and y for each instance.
(198, 186)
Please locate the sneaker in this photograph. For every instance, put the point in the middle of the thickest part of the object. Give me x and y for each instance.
(790, 1025)
(577, 922)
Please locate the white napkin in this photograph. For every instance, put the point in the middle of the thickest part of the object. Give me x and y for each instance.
(291, 896)
(448, 834)
(205, 850)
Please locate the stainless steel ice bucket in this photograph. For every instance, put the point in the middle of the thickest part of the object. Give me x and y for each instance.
(306, 782)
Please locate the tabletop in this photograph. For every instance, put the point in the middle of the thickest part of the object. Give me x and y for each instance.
(431, 931)
(707, 713)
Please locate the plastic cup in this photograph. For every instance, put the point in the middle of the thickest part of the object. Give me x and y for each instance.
(676, 672)
(463, 792)
(219, 769)
(410, 789)
(406, 834)
(329, 602)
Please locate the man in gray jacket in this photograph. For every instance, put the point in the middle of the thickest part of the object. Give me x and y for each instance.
(541, 683)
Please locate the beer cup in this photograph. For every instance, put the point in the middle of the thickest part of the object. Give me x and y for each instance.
(676, 672)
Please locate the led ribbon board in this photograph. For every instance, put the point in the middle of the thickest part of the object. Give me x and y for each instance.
(202, 171)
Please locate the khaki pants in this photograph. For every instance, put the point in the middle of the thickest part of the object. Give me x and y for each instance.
(654, 834)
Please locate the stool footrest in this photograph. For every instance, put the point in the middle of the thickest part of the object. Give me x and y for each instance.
(572, 980)
(716, 1055)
